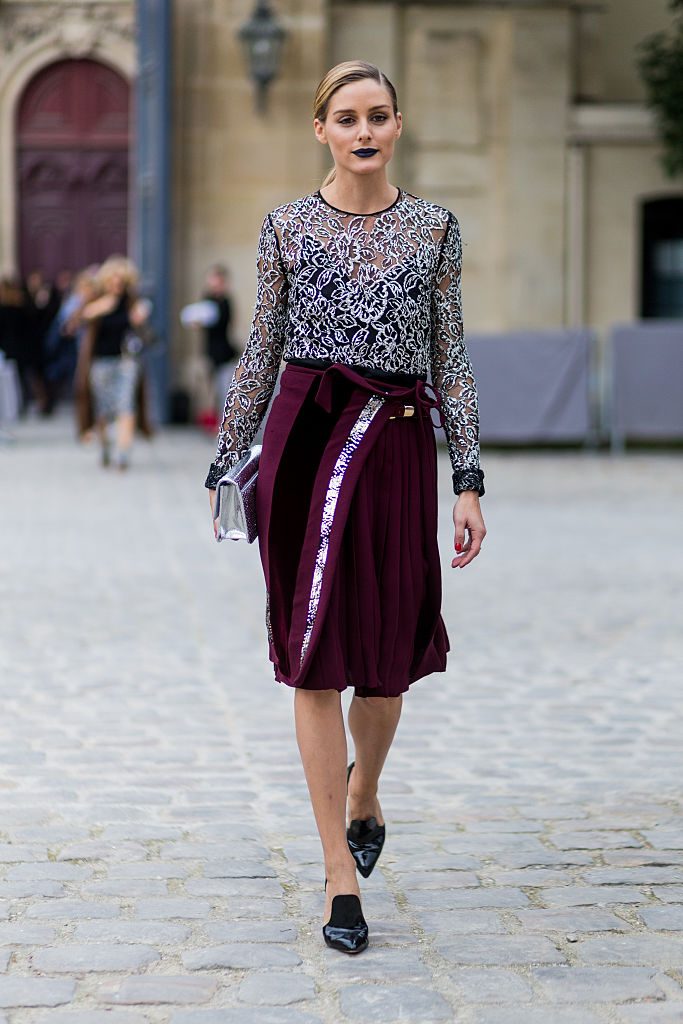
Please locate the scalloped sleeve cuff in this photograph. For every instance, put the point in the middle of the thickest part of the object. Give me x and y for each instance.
(469, 480)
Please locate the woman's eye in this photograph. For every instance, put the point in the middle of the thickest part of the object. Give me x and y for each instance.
(348, 120)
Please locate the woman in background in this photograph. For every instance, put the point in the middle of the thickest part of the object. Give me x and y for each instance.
(110, 355)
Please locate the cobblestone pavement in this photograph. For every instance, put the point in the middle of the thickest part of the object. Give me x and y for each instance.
(158, 858)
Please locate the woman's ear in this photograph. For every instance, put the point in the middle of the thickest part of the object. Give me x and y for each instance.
(319, 129)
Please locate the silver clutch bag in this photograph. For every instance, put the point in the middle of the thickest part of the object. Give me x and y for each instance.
(236, 499)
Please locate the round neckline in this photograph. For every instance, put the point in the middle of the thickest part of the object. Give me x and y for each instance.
(350, 213)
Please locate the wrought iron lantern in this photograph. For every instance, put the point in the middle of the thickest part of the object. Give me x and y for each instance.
(262, 37)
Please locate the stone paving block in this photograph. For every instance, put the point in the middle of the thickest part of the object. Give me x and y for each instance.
(587, 840)
(156, 933)
(20, 933)
(377, 963)
(128, 888)
(251, 931)
(247, 850)
(94, 1017)
(93, 956)
(647, 950)
(511, 825)
(589, 895)
(276, 989)
(136, 831)
(246, 1015)
(642, 857)
(160, 989)
(5, 957)
(459, 899)
(668, 893)
(435, 879)
(25, 992)
(165, 909)
(665, 919)
(148, 869)
(13, 853)
(499, 950)
(4, 911)
(531, 877)
(240, 956)
(239, 887)
(461, 922)
(490, 985)
(407, 1002)
(545, 858)
(531, 1015)
(72, 909)
(645, 875)
(652, 1013)
(663, 839)
(597, 984)
(22, 890)
(48, 871)
(255, 908)
(99, 849)
(583, 919)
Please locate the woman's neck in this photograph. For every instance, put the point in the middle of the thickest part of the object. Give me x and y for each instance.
(359, 193)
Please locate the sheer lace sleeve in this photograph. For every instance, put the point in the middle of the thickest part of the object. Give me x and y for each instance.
(256, 372)
(451, 369)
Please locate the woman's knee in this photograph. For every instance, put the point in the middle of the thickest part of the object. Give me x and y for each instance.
(381, 703)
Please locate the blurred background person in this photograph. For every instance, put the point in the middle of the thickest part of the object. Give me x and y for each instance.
(86, 289)
(13, 330)
(60, 343)
(110, 357)
(219, 349)
(42, 304)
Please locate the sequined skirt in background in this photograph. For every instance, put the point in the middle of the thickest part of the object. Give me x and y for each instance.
(347, 513)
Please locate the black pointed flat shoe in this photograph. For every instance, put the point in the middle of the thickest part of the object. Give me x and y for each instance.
(347, 929)
(365, 838)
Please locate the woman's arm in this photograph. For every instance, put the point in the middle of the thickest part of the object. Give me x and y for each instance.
(256, 372)
(453, 378)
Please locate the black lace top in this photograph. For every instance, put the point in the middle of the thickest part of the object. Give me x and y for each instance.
(378, 290)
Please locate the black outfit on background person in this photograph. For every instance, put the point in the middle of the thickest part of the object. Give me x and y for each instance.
(219, 347)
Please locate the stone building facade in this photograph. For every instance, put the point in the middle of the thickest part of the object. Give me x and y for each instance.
(525, 118)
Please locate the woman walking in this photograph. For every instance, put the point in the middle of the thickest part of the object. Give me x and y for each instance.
(110, 355)
(359, 292)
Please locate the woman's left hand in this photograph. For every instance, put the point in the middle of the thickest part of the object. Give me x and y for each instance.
(467, 516)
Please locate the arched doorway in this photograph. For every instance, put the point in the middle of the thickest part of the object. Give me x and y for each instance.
(72, 167)
(662, 258)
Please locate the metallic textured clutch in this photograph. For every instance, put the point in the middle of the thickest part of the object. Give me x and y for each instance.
(236, 499)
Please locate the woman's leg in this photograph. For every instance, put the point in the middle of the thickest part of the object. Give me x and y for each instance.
(373, 722)
(125, 431)
(322, 744)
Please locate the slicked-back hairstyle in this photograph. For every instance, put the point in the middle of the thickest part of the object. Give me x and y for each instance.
(343, 74)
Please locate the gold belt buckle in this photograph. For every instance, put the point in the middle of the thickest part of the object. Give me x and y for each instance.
(408, 410)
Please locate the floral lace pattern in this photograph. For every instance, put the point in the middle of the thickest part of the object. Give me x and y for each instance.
(377, 290)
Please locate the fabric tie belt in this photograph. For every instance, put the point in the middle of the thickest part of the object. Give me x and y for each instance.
(401, 399)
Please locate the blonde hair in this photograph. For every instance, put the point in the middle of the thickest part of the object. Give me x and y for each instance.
(117, 265)
(343, 74)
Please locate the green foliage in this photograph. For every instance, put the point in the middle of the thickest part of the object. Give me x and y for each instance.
(661, 66)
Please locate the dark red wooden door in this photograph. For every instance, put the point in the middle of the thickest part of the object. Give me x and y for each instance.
(72, 167)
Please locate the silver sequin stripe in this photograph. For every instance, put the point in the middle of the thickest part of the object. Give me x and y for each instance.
(356, 434)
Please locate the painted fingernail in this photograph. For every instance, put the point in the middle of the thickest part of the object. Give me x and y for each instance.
(458, 547)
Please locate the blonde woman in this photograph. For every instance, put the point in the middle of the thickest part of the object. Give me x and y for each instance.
(109, 351)
(359, 291)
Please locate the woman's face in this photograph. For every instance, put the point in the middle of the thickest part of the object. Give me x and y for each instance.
(115, 283)
(360, 116)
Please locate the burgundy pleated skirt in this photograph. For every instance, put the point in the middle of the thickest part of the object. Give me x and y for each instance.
(347, 520)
